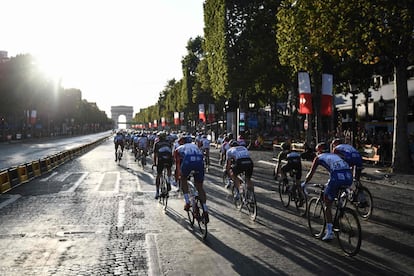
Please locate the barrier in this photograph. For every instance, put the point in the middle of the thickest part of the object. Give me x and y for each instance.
(22, 174)
(29, 168)
(13, 177)
(36, 168)
(5, 184)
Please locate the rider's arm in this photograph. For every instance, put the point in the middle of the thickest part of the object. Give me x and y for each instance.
(312, 170)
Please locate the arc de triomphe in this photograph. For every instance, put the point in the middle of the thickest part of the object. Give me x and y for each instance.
(119, 110)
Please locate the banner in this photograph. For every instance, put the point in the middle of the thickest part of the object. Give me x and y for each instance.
(201, 113)
(305, 96)
(176, 118)
(163, 121)
(326, 100)
(155, 125)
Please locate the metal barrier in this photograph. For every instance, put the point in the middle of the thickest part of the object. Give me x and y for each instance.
(15, 176)
(5, 184)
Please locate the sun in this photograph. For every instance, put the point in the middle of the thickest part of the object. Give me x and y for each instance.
(50, 67)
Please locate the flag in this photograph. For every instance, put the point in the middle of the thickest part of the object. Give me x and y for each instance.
(176, 118)
(163, 121)
(305, 96)
(201, 113)
(326, 100)
(33, 117)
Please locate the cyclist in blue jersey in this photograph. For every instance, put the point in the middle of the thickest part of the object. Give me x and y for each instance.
(119, 141)
(188, 158)
(350, 154)
(340, 175)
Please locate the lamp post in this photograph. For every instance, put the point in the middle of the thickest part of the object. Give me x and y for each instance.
(353, 90)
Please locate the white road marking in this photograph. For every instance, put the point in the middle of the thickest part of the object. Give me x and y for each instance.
(12, 198)
(153, 256)
(121, 213)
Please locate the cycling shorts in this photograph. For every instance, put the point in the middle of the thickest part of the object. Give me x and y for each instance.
(163, 163)
(243, 165)
(196, 165)
(338, 179)
(289, 166)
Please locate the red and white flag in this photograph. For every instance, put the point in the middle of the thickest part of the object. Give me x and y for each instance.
(326, 100)
(201, 113)
(305, 96)
(176, 118)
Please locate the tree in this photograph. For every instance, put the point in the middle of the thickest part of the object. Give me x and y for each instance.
(363, 31)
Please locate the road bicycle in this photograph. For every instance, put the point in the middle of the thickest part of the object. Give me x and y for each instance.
(361, 198)
(245, 198)
(290, 191)
(346, 225)
(164, 195)
(196, 211)
(119, 155)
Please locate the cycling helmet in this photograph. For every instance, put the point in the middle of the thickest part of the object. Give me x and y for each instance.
(321, 147)
(285, 146)
(162, 136)
(188, 139)
(234, 143)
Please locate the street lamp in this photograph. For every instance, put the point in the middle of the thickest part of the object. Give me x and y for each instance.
(353, 89)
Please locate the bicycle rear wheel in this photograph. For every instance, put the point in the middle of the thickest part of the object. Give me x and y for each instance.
(199, 214)
(348, 231)
(364, 204)
(284, 193)
(301, 204)
(164, 193)
(316, 217)
(251, 204)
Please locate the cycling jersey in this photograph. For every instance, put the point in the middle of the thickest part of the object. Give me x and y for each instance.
(350, 154)
(241, 160)
(339, 172)
(163, 152)
(294, 162)
(190, 158)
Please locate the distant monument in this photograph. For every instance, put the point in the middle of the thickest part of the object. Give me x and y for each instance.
(127, 111)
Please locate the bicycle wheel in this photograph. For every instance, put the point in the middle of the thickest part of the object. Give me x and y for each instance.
(316, 217)
(364, 204)
(199, 214)
(284, 193)
(251, 204)
(164, 193)
(301, 204)
(348, 231)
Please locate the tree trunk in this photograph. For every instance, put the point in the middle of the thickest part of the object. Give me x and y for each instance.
(400, 151)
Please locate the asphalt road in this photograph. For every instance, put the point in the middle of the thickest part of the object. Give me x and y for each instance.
(92, 216)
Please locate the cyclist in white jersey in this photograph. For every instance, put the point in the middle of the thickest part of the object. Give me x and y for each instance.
(238, 161)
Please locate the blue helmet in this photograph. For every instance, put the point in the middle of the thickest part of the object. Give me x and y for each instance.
(188, 140)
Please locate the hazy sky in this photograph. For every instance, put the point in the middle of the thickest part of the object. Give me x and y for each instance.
(117, 52)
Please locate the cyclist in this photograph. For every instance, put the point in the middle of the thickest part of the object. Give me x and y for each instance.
(294, 162)
(205, 147)
(223, 149)
(119, 142)
(188, 158)
(340, 175)
(162, 159)
(238, 161)
(143, 144)
(350, 154)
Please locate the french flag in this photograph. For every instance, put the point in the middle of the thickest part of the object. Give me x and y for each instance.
(305, 96)
(326, 100)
